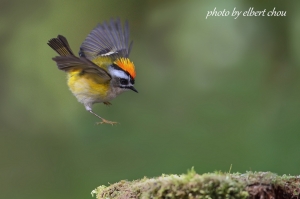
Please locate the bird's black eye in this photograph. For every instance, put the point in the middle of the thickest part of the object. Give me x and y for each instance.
(123, 81)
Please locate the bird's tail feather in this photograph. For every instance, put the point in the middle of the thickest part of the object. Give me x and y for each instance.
(60, 45)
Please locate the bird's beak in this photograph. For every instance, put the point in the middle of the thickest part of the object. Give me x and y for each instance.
(132, 88)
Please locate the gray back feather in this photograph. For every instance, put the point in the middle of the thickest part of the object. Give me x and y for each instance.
(107, 39)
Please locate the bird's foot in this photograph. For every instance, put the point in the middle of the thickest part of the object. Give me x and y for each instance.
(104, 121)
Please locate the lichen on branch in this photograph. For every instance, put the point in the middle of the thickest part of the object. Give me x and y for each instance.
(206, 186)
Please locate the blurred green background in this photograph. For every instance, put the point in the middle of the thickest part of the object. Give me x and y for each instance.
(212, 92)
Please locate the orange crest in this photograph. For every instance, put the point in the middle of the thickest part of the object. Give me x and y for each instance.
(126, 65)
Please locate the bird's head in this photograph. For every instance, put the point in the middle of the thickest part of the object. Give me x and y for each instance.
(123, 74)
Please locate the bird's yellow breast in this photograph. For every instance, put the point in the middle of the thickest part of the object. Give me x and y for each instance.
(86, 87)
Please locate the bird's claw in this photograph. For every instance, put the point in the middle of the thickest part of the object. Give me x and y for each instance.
(104, 121)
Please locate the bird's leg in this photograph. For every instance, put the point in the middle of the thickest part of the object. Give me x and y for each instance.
(107, 103)
(103, 120)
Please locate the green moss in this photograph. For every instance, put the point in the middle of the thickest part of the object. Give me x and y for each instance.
(205, 186)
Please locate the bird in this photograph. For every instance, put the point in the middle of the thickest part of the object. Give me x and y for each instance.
(103, 69)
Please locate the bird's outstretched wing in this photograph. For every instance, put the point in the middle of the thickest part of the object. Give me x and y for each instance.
(70, 62)
(107, 39)
(67, 61)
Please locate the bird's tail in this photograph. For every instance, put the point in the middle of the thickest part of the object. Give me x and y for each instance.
(60, 45)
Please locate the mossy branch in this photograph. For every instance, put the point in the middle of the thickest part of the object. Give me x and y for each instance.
(263, 185)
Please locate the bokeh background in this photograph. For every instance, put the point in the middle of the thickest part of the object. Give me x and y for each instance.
(212, 92)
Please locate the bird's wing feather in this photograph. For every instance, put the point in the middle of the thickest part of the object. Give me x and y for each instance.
(107, 39)
(70, 62)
